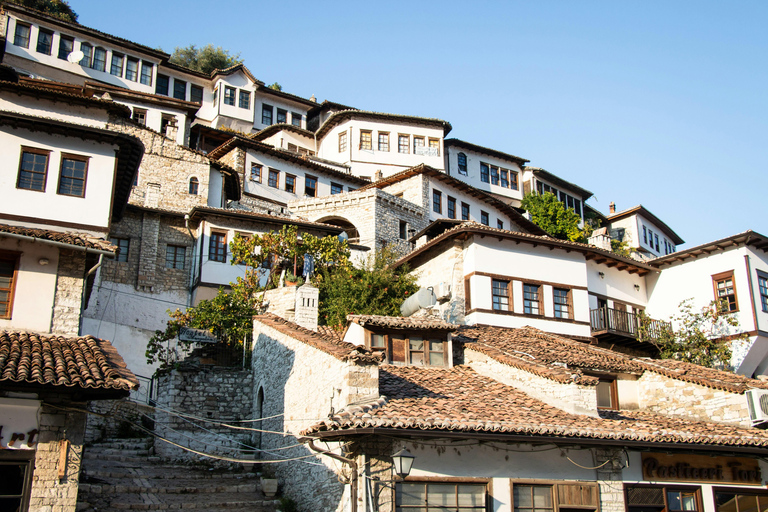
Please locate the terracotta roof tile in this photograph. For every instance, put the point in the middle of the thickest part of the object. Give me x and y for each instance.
(48, 359)
(459, 399)
(401, 322)
(332, 345)
(68, 237)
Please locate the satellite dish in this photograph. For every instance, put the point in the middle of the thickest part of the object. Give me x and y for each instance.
(75, 57)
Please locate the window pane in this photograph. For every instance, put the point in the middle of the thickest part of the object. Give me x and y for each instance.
(604, 395)
(441, 495)
(471, 495)
(542, 497)
(436, 358)
(417, 343)
(523, 496)
(412, 494)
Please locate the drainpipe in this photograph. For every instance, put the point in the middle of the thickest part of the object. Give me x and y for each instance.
(751, 293)
(192, 259)
(352, 479)
(85, 286)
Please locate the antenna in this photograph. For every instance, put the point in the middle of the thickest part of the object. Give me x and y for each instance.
(75, 57)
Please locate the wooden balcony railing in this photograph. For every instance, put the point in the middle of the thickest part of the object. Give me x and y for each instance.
(616, 321)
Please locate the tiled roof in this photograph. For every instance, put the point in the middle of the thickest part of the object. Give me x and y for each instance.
(642, 210)
(460, 400)
(561, 359)
(70, 238)
(342, 115)
(199, 211)
(401, 322)
(326, 331)
(57, 92)
(331, 345)
(560, 182)
(73, 362)
(458, 143)
(748, 237)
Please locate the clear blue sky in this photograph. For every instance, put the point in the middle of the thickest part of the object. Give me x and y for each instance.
(654, 102)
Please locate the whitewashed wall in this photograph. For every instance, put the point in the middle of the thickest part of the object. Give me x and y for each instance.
(473, 172)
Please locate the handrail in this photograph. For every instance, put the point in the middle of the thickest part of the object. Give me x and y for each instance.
(623, 322)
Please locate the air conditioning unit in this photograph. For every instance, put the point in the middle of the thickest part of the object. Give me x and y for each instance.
(757, 401)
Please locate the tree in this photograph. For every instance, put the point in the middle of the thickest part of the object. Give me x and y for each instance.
(276, 86)
(702, 337)
(57, 8)
(552, 216)
(205, 59)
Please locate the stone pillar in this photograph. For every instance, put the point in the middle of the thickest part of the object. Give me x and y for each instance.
(609, 479)
(69, 293)
(150, 230)
(306, 306)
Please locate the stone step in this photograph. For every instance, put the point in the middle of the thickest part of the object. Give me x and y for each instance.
(180, 486)
(120, 458)
(99, 450)
(125, 443)
(164, 472)
(251, 501)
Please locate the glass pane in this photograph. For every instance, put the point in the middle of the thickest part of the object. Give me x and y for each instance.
(417, 358)
(688, 500)
(412, 494)
(441, 495)
(377, 340)
(436, 359)
(12, 480)
(604, 395)
(436, 345)
(471, 495)
(542, 497)
(417, 343)
(673, 499)
(523, 496)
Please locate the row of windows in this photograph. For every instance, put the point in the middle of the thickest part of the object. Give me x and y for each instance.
(568, 200)
(282, 116)
(501, 293)
(231, 94)
(497, 176)
(289, 182)
(163, 88)
(651, 239)
(437, 207)
(411, 348)
(420, 146)
(175, 255)
(33, 172)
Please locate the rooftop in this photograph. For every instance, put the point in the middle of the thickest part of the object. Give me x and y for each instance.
(642, 210)
(401, 322)
(65, 237)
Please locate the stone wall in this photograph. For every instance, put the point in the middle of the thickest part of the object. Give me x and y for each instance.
(111, 417)
(676, 398)
(446, 267)
(281, 302)
(67, 302)
(610, 479)
(217, 395)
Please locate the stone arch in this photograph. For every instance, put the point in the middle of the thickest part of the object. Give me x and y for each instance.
(348, 227)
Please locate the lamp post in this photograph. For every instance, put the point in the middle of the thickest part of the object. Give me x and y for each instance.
(403, 462)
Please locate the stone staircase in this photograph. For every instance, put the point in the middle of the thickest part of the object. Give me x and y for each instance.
(122, 474)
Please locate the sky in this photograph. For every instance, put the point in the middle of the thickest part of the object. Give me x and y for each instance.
(649, 102)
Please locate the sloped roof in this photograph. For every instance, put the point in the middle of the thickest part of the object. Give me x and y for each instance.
(401, 322)
(560, 182)
(201, 211)
(65, 237)
(344, 115)
(457, 143)
(277, 128)
(80, 363)
(642, 210)
(748, 237)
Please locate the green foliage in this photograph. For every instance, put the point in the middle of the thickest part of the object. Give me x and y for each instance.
(205, 59)
(621, 248)
(288, 505)
(552, 216)
(57, 8)
(276, 86)
(374, 289)
(703, 337)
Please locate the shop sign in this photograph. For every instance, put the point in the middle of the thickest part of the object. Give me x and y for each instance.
(701, 468)
(196, 335)
(18, 424)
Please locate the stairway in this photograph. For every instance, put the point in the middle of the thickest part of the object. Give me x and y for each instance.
(121, 474)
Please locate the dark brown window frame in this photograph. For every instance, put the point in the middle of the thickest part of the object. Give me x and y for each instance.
(292, 179)
(742, 491)
(342, 141)
(307, 179)
(568, 302)
(450, 201)
(77, 158)
(273, 172)
(558, 490)
(485, 218)
(538, 301)
(260, 168)
(508, 288)
(665, 489)
(11, 256)
(215, 256)
(36, 151)
(121, 256)
(469, 211)
(16, 34)
(405, 337)
(21, 458)
(437, 201)
(611, 381)
(177, 249)
(722, 276)
(456, 482)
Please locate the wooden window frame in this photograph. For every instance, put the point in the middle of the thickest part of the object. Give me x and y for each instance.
(401, 354)
(503, 177)
(538, 300)
(99, 65)
(343, 141)
(36, 151)
(614, 393)
(499, 224)
(383, 141)
(366, 140)
(665, 489)
(495, 175)
(762, 289)
(564, 494)
(270, 173)
(215, 256)
(194, 186)
(296, 119)
(404, 143)
(437, 201)
(267, 109)
(176, 250)
(402, 229)
(462, 167)
(256, 167)
(16, 34)
(230, 96)
(456, 482)
(21, 458)
(62, 53)
(307, 179)
(645, 235)
(568, 303)
(76, 158)
(508, 296)
(132, 69)
(419, 138)
(485, 218)
(122, 256)
(244, 99)
(289, 178)
(469, 211)
(741, 491)
(196, 94)
(485, 173)
(336, 186)
(281, 112)
(114, 57)
(450, 201)
(430, 141)
(49, 49)
(722, 276)
(11, 256)
(139, 112)
(166, 81)
(513, 183)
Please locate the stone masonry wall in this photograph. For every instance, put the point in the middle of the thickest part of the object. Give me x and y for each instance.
(281, 301)
(676, 398)
(286, 370)
(49, 493)
(69, 293)
(609, 479)
(446, 267)
(572, 397)
(219, 395)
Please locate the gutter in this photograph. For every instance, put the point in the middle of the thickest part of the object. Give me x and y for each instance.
(63, 245)
(352, 481)
(85, 286)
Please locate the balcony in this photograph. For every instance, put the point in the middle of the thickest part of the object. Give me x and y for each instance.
(621, 327)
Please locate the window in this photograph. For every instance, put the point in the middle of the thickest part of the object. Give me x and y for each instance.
(606, 394)
(282, 116)
(193, 186)
(571, 202)
(562, 299)
(464, 211)
(274, 178)
(403, 142)
(162, 84)
(336, 188)
(462, 158)
(255, 172)
(533, 498)
(645, 235)
(421, 497)
(365, 139)
(140, 116)
(563, 496)
(266, 114)
(16, 469)
(290, 183)
(378, 343)
(742, 500)
(179, 89)
(21, 35)
(499, 224)
(165, 120)
(296, 119)
(174, 256)
(87, 55)
(650, 498)
(146, 74)
(342, 142)
(531, 299)
(451, 207)
(656, 239)
(418, 143)
(244, 101)
(500, 295)
(72, 176)
(504, 178)
(132, 69)
(44, 41)
(99, 59)
(33, 169)
(122, 247)
(196, 94)
(435, 144)
(116, 66)
(437, 201)
(494, 175)
(484, 220)
(725, 292)
(310, 186)
(229, 96)
(762, 283)
(383, 141)
(8, 262)
(403, 230)
(217, 248)
(66, 46)
(513, 180)
(484, 173)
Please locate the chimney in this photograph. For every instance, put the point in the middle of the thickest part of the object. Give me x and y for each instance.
(313, 99)
(172, 128)
(378, 175)
(612, 207)
(306, 306)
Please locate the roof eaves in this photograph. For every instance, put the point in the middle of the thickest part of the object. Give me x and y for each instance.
(642, 210)
(488, 151)
(556, 180)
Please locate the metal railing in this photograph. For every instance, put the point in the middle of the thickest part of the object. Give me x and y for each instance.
(147, 392)
(228, 352)
(607, 319)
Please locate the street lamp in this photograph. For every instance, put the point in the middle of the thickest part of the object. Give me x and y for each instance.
(403, 461)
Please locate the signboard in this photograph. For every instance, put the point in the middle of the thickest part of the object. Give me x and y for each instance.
(196, 335)
(701, 468)
(18, 424)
